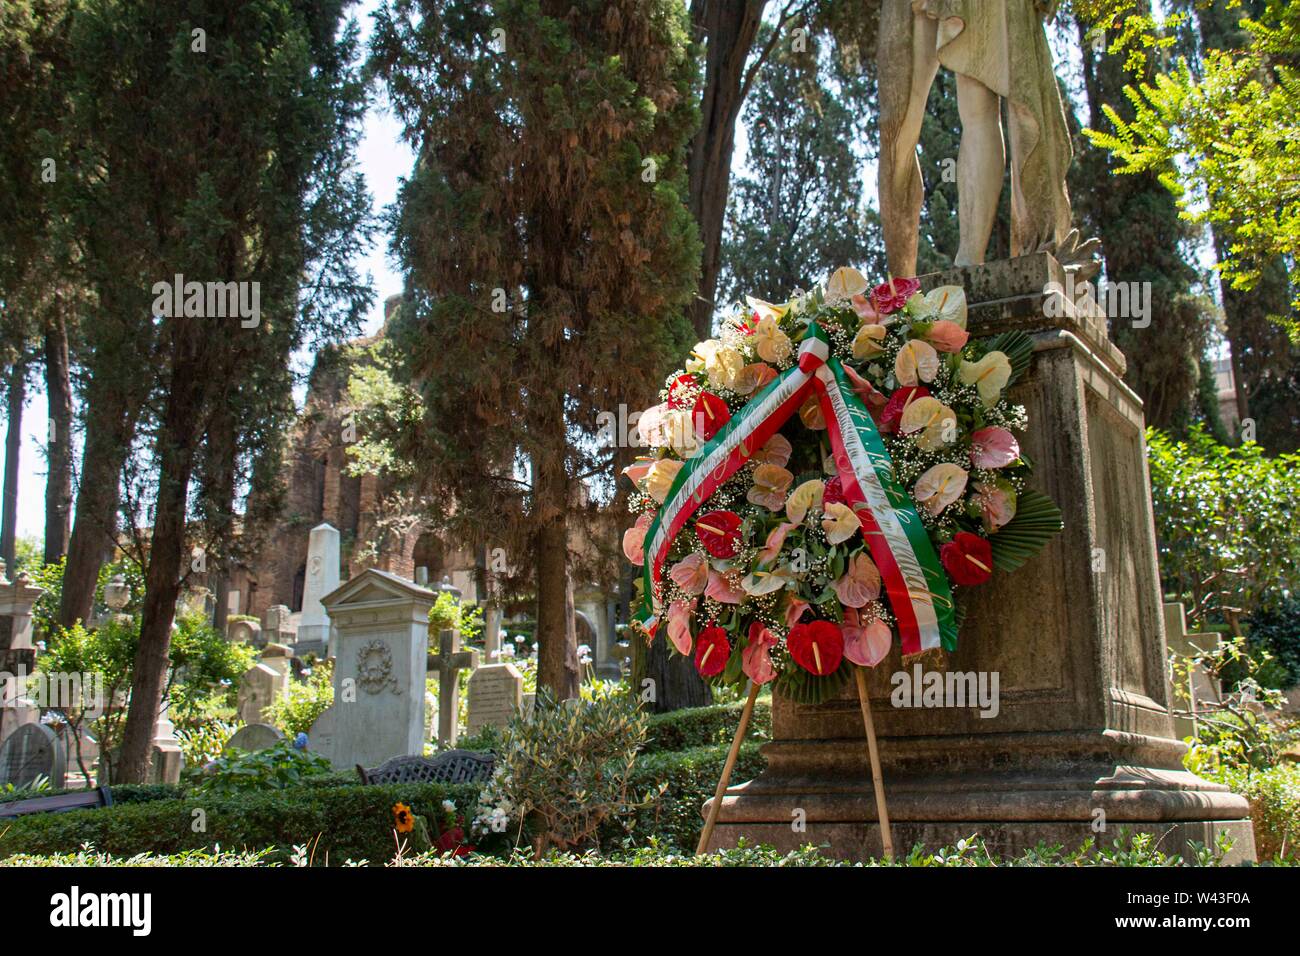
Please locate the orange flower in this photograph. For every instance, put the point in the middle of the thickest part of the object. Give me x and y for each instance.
(403, 819)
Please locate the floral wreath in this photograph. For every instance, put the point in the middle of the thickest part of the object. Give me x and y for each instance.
(824, 474)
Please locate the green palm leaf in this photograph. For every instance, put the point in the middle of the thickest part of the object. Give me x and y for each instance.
(1037, 520)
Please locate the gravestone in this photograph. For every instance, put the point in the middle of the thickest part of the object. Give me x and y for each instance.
(259, 687)
(167, 759)
(245, 632)
(31, 752)
(321, 738)
(1201, 687)
(278, 626)
(1083, 733)
(382, 625)
(322, 579)
(448, 662)
(17, 653)
(496, 693)
(253, 737)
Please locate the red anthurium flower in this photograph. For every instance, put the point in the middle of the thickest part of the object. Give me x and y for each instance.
(817, 646)
(833, 492)
(898, 401)
(719, 532)
(967, 558)
(711, 651)
(893, 295)
(709, 415)
(453, 842)
(680, 383)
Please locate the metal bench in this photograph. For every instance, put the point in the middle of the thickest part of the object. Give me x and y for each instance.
(452, 766)
(60, 803)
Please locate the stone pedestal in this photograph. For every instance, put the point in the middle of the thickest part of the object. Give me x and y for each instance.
(314, 634)
(1082, 740)
(17, 653)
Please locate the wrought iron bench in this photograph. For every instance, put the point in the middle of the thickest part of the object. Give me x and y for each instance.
(451, 766)
(59, 803)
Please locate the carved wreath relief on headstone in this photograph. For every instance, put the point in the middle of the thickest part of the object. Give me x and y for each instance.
(375, 668)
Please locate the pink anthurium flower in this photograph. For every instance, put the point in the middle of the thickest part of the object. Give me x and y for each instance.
(777, 451)
(691, 573)
(679, 625)
(993, 447)
(860, 583)
(771, 483)
(638, 469)
(865, 644)
(996, 502)
(634, 539)
(794, 610)
(754, 659)
(775, 538)
(947, 336)
(725, 587)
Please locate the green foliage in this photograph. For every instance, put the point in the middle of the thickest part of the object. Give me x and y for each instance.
(307, 700)
(89, 856)
(564, 770)
(1226, 523)
(1274, 795)
(705, 726)
(1276, 629)
(449, 613)
(1232, 119)
(204, 740)
(275, 768)
(336, 822)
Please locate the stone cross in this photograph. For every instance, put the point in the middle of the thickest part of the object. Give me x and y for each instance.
(322, 578)
(447, 662)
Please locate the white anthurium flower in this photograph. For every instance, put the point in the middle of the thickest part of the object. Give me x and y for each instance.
(990, 375)
(844, 283)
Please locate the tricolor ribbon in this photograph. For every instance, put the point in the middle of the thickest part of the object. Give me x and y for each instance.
(913, 578)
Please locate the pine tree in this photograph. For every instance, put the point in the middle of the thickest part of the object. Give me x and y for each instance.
(549, 260)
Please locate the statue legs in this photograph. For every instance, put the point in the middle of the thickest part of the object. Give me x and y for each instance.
(981, 165)
(909, 62)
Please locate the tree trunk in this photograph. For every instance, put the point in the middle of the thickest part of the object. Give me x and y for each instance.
(110, 426)
(58, 481)
(557, 650)
(13, 449)
(676, 682)
(729, 27)
(162, 577)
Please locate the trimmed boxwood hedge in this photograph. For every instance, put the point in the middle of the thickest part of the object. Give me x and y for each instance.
(126, 793)
(706, 726)
(353, 822)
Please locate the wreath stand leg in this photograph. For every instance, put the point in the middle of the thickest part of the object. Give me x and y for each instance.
(716, 807)
(877, 781)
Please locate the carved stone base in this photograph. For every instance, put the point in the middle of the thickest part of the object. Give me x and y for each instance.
(1082, 731)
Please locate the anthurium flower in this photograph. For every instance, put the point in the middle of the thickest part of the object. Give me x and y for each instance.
(679, 430)
(860, 583)
(939, 487)
(930, 422)
(945, 303)
(771, 483)
(889, 297)
(868, 394)
(719, 532)
(765, 582)
(810, 413)
(679, 625)
(863, 307)
(844, 283)
(777, 451)
(794, 610)
(721, 363)
(754, 659)
(659, 479)
(840, 523)
(805, 497)
(817, 647)
(865, 644)
(711, 651)
(916, 362)
(897, 404)
(947, 336)
(967, 558)
(691, 573)
(725, 587)
(634, 539)
(650, 425)
(765, 309)
(833, 492)
(771, 344)
(638, 470)
(681, 392)
(752, 378)
(990, 375)
(993, 447)
(996, 503)
(868, 342)
(775, 538)
(709, 415)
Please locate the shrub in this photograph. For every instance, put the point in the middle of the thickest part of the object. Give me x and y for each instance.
(1276, 630)
(307, 700)
(338, 823)
(702, 726)
(275, 768)
(1274, 796)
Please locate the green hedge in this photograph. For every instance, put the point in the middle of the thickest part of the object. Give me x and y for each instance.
(353, 822)
(705, 726)
(126, 793)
